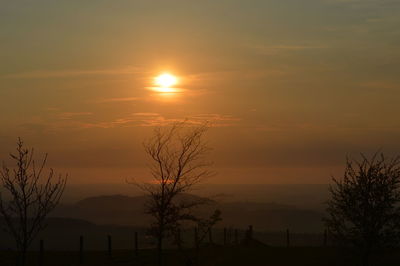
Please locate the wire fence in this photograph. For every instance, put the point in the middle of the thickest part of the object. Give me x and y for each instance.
(138, 238)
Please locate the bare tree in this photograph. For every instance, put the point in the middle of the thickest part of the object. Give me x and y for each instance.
(32, 197)
(178, 162)
(364, 210)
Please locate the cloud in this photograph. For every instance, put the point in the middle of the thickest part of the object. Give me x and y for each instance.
(276, 49)
(71, 115)
(363, 3)
(241, 74)
(73, 121)
(381, 85)
(145, 114)
(64, 121)
(116, 100)
(218, 120)
(43, 74)
(331, 127)
(38, 128)
(154, 119)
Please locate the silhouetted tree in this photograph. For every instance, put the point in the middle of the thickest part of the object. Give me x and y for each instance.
(178, 162)
(363, 211)
(32, 197)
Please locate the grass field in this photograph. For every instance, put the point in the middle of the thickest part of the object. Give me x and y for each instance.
(211, 256)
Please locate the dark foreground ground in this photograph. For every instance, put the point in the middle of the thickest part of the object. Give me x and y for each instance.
(218, 256)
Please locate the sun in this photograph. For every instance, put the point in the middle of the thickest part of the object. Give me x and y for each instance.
(165, 80)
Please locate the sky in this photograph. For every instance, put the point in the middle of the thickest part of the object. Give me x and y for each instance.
(291, 87)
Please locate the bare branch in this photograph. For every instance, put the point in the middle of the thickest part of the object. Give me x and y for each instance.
(32, 196)
(176, 164)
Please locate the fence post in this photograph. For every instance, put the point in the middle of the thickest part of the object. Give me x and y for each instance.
(178, 238)
(236, 237)
(225, 236)
(325, 238)
(109, 246)
(287, 238)
(196, 238)
(41, 254)
(136, 244)
(80, 249)
(250, 233)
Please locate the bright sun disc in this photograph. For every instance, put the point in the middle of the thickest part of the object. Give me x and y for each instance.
(166, 80)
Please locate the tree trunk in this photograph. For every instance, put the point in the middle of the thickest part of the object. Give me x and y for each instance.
(159, 250)
(365, 258)
(21, 261)
(23, 258)
(22, 250)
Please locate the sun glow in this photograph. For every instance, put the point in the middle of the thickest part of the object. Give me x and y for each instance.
(165, 85)
(165, 81)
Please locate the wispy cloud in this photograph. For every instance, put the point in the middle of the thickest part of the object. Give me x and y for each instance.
(71, 115)
(379, 85)
(116, 100)
(43, 74)
(145, 114)
(83, 120)
(284, 48)
(219, 120)
(155, 119)
(364, 2)
(242, 74)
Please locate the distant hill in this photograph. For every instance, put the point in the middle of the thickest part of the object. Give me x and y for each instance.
(115, 203)
(309, 196)
(110, 209)
(121, 216)
(129, 211)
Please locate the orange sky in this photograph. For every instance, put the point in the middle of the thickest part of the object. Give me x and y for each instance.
(291, 87)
